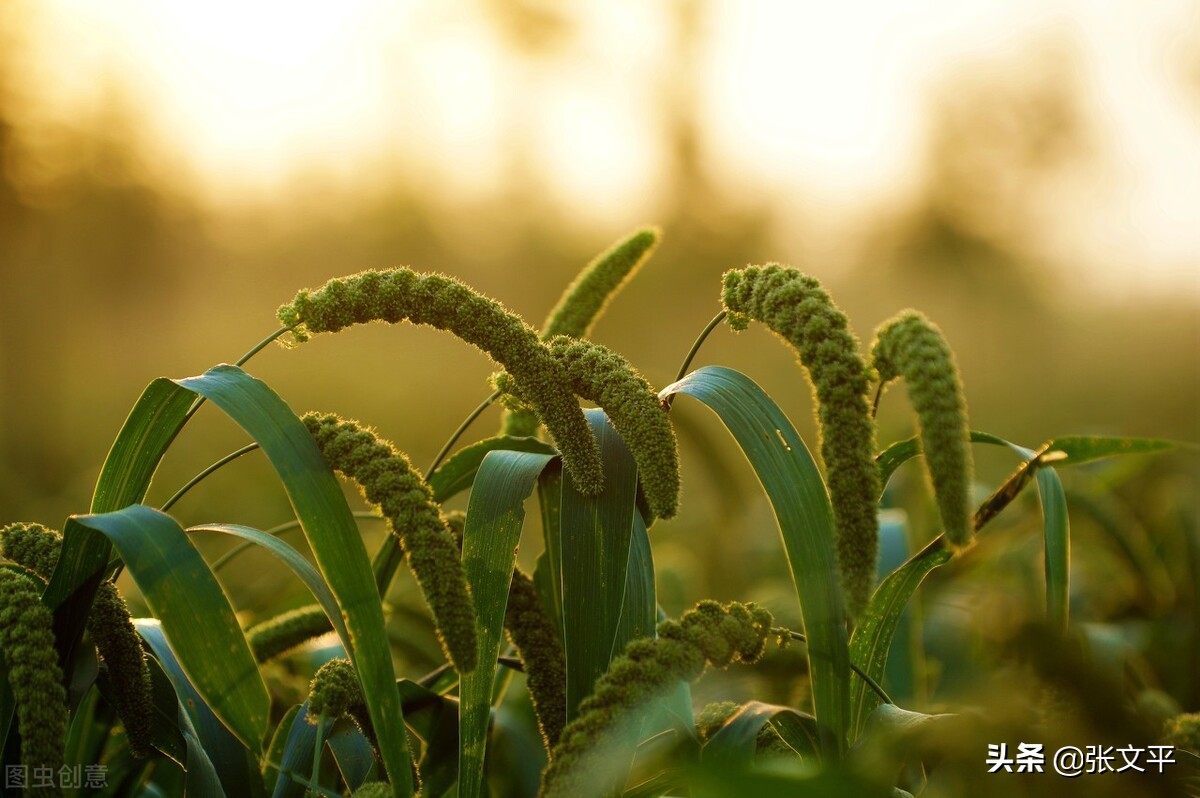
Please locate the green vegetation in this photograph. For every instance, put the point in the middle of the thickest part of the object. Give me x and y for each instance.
(852, 680)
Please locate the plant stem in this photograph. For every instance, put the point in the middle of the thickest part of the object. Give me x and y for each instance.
(687, 360)
(224, 559)
(441, 455)
(196, 480)
(241, 361)
(879, 691)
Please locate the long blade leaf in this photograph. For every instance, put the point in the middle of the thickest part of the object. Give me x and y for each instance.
(152, 424)
(798, 497)
(309, 575)
(196, 617)
(332, 535)
(213, 748)
(495, 515)
(596, 531)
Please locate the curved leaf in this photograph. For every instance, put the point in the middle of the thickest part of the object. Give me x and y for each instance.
(494, 518)
(195, 614)
(458, 472)
(152, 424)
(595, 533)
(736, 742)
(213, 753)
(801, 504)
(332, 535)
(292, 559)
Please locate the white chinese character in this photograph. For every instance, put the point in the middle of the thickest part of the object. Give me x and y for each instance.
(15, 776)
(43, 776)
(1030, 758)
(95, 776)
(998, 758)
(1161, 755)
(1130, 755)
(70, 776)
(1100, 759)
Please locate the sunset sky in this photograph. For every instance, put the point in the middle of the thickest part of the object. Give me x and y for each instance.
(823, 104)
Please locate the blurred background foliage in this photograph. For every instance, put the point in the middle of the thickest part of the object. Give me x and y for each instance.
(156, 207)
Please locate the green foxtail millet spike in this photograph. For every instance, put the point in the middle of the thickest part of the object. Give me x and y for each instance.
(586, 297)
(584, 301)
(387, 479)
(712, 717)
(276, 636)
(602, 376)
(536, 639)
(798, 309)
(335, 691)
(447, 304)
(110, 626)
(27, 643)
(32, 545)
(120, 647)
(710, 634)
(912, 347)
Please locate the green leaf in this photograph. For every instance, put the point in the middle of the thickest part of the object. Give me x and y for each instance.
(332, 535)
(454, 476)
(297, 756)
(798, 497)
(152, 425)
(549, 566)
(433, 718)
(196, 617)
(736, 742)
(595, 531)
(352, 752)
(881, 751)
(799, 731)
(458, 472)
(639, 607)
(210, 745)
(495, 515)
(903, 659)
(873, 636)
(292, 559)
(1085, 448)
(1057, 537)
(275, 750)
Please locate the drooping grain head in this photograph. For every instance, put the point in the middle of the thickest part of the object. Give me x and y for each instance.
(912, 347)
(447, 304)
(797, 308)
(388, 480)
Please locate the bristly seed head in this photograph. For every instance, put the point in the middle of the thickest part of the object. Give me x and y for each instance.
(798, 309)
(710, 634)
(912, 347)
(387, 479)
(583, 302)
(600, 375)
(447, 304)
(27, 639)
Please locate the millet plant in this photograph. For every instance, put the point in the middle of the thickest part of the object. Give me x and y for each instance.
(567, 680)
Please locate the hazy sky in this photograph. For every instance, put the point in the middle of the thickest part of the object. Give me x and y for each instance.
(820, 102)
